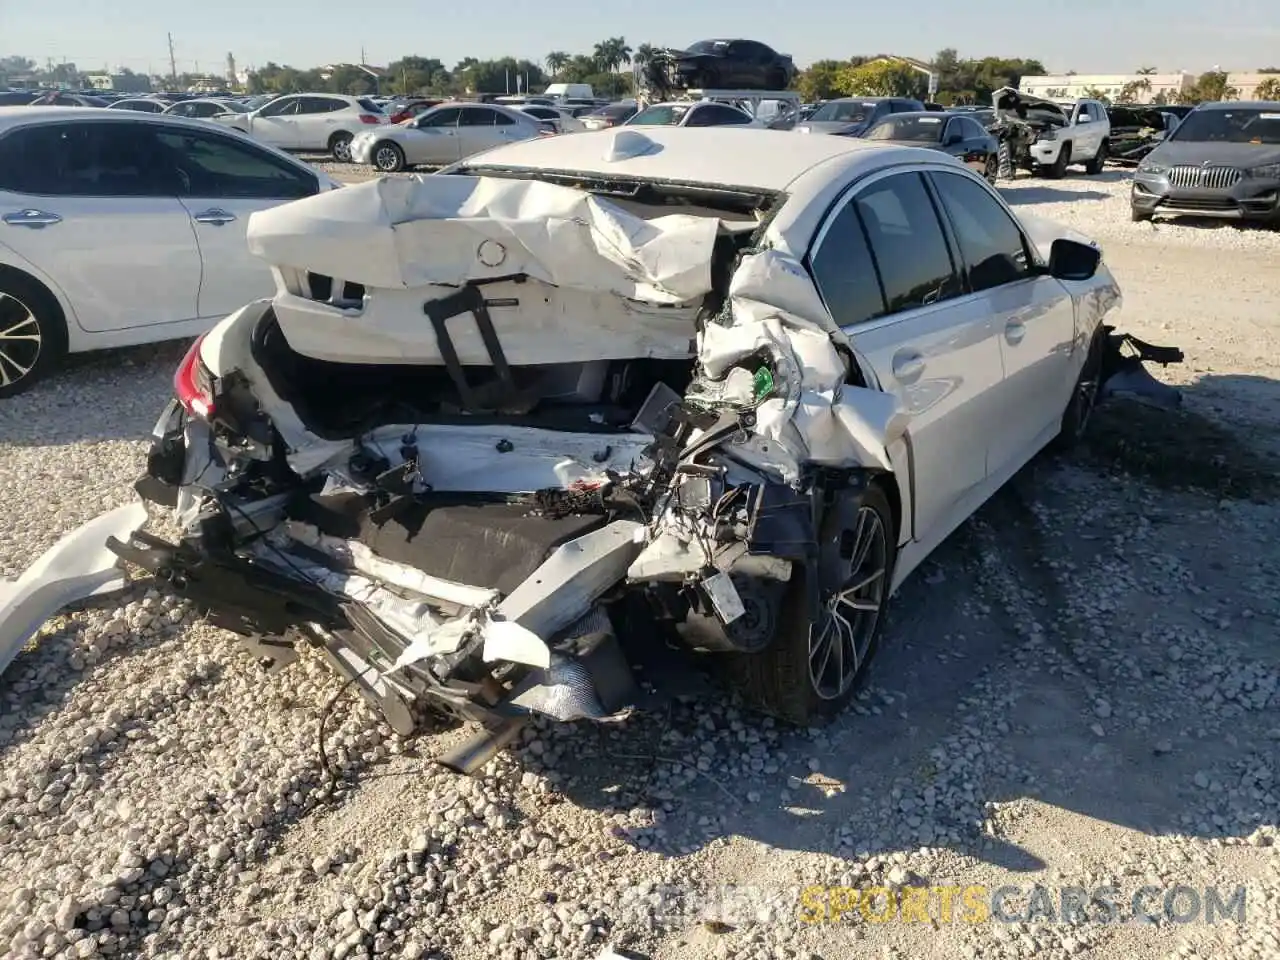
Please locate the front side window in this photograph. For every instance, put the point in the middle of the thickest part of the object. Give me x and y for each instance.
(314, 105)
(284, 107)
(908, 243)
(448, 117)
(86, 160)
(661, 115)
(991, 244)
(910, 129)
(219, 167)
(843, 111)
(845, 272)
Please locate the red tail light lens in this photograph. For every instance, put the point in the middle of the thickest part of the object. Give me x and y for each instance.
(369, 118)
(191, 386)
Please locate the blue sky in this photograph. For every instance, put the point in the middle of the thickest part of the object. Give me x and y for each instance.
(1088, 36)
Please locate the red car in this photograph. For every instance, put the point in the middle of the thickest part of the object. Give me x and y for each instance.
(407, 111)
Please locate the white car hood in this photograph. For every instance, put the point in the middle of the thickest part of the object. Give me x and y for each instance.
(408, 232)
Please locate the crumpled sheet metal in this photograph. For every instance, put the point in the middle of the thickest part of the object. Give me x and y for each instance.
(403, 232)
(818, 418)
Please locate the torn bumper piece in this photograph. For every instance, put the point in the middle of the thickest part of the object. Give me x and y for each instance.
(487, 662)
(1124, 375)
(78, 566)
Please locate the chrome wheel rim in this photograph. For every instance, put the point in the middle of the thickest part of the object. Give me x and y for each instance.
(840, 637)
(20, 340)
(342, 150)
(386, 158)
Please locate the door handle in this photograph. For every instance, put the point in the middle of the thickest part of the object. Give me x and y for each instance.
(907, 367)
(1014, 331)
(215, 216)
(31, 218)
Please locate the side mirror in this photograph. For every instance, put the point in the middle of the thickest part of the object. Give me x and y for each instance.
(1069, 260)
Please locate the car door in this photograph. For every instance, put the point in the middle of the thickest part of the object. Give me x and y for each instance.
(92, 205)
(224, 180)
(967, 142)
(317, 120)
(1032, 312)
(1088, 130)
(434, 141)
(478, 130)
(277, 123)
(887, 273)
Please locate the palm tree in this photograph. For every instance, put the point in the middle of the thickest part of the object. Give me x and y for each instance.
(612, 53)
(1146, 71)
(556, 61)
(644, 54)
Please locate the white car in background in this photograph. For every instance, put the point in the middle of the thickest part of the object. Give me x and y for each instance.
(732, 398)
(444, 134)
(312, 122)
(205, 107)
(139, 104)
(561, 120)
(701, 113)
(119, 228)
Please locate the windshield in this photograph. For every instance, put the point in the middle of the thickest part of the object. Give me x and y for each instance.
(1230, 126)
(906, 127)
(661, 115)
(848, 111)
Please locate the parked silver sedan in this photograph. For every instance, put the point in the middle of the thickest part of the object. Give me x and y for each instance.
(442, 135)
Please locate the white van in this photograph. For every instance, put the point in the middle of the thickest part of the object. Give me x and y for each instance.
(565, 91)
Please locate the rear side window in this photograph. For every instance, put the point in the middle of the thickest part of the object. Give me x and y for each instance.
(217, 167)
(368, 106)
(477, 117)
(991, 244)
(845, 271)
(907, 242)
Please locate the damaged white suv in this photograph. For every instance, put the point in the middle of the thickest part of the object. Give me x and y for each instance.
(627, 383)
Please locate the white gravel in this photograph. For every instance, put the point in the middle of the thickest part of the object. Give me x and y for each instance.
(1081, 688)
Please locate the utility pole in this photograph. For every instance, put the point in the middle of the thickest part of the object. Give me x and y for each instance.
(173, 64)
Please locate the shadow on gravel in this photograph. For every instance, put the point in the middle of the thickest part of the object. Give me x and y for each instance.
(1185, 449)
(989, 683)
(103, 395)
(1029, 196)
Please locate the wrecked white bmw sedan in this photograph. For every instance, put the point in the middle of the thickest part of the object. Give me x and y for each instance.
(695, 382)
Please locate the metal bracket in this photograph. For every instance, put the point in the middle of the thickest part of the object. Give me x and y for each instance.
(468, 300)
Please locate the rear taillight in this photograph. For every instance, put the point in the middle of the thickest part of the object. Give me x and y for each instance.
(369, 118)
(191, 383)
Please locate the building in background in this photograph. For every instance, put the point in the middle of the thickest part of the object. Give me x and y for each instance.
(123, 82)
(1246, 84)
(1145, 88)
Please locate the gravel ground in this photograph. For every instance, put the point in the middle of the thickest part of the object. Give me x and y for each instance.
(1079, 690)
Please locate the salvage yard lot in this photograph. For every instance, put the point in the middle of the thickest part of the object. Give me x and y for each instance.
(1079, 689)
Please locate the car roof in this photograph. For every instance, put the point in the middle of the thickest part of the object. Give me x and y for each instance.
(23, 116)
(751, 158)
(1238, 104)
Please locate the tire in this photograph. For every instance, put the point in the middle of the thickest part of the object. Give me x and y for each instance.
(28, 310)
(1094, 166)
(1004, 153)
(388, 157)
(779, 680)
(340, 146)
(1058, 169)
(1078, 413)
(1139, 216)
(992, 172)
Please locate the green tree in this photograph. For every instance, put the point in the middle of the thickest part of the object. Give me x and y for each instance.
(883, 78)
(612, 53)
(822, 80)
(1268, 89)
(417, 75)
(644, 54)
(1096, 93)
(1132, 91)
(1211, 87)
(556, 61)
